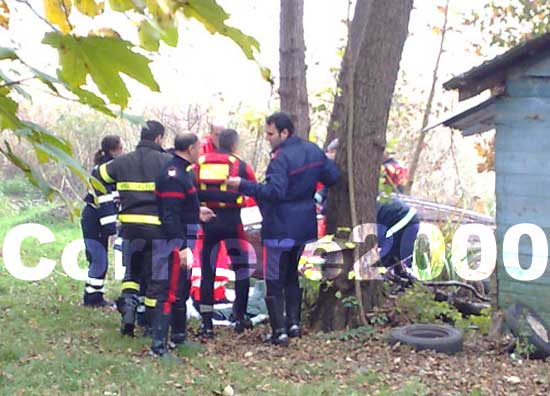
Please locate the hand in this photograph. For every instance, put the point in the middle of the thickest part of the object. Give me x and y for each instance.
(206, 214)
(233, 182)
(186, 258)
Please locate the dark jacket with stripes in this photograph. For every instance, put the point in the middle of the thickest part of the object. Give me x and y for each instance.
(103, 202)
(178, 202)
(134, 175)
(286, 197)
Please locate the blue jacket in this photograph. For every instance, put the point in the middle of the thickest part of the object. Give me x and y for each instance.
(286, 197)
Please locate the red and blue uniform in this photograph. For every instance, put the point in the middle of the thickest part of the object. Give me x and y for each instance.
(179, 211)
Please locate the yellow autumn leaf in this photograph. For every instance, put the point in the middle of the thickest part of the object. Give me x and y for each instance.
(57, 12)
(4, 15)
(91, 8)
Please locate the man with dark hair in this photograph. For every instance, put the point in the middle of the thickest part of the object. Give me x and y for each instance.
(286, 200)
(212, 170)
(134, 176)
(180, 213)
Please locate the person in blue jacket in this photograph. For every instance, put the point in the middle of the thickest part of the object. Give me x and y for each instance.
(98, 223)
(287, 203)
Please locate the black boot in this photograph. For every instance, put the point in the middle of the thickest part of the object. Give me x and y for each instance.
(160, 326)
(206, 330)
(94, 300)
(179, 325)
(242, 324)
(127, 305)
(147, 321)
(277, 321)
(293, 313)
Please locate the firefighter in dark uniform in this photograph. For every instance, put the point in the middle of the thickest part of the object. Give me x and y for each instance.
(287, 203)
(134, 175)
(180, 213)
(98, 223)
(397, 229)
(212, 171)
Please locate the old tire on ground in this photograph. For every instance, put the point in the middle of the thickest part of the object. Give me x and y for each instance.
(440, 338)
(525, 323)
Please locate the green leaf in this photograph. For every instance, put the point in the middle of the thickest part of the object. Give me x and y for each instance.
(213, 17)
(122, 5)
(63, 158)
(42, 135)
(15, 86)
(170, 36)
(90, 7)
(148, 36)
(89, 98)
(32, 175)
(46, 79)
(8, 53)
(8, 110)
(103, 58)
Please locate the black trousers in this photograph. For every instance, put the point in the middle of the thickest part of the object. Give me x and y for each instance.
(281, 276)
(170, 284)
(137, 256)
(227, 227)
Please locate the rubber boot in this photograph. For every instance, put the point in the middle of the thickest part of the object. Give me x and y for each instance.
(147, 321)
(277, 321)
(94, 300)
(239, 306)
(179, 325)
(160, 326)
(206, 329)
(293, 314)
(127, 305)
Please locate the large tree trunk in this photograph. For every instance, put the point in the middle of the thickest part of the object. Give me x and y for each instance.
(355, 34)
(292, 65)
(362, 133)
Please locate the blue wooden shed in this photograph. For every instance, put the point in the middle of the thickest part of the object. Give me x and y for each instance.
(519, 110)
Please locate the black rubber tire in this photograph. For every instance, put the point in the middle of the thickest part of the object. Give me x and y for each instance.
(516, 319)
(440, 338)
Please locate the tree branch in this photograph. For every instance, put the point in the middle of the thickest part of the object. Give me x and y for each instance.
(458, 284)
(26, 2)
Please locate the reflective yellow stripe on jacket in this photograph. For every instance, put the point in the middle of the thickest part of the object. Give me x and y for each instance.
(139, 219)
(104, 174)
(135, 186)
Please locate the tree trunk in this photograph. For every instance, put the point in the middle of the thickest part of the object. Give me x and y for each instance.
(355, 34)
(420, 142)
(361, 129)
(292, 65)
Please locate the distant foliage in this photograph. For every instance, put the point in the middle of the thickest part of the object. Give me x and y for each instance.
(507, 23)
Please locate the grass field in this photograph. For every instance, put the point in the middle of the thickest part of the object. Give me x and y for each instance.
(51, 345)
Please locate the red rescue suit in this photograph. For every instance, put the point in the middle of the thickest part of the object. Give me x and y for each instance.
(212, 171)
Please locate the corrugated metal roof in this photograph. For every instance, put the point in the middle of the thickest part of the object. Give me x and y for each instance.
(476, 119)
(537, 47)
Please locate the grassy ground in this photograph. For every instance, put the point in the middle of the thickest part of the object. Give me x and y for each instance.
(51, 345)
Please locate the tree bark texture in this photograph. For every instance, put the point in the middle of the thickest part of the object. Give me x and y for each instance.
(367, 97)
(292, 66)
